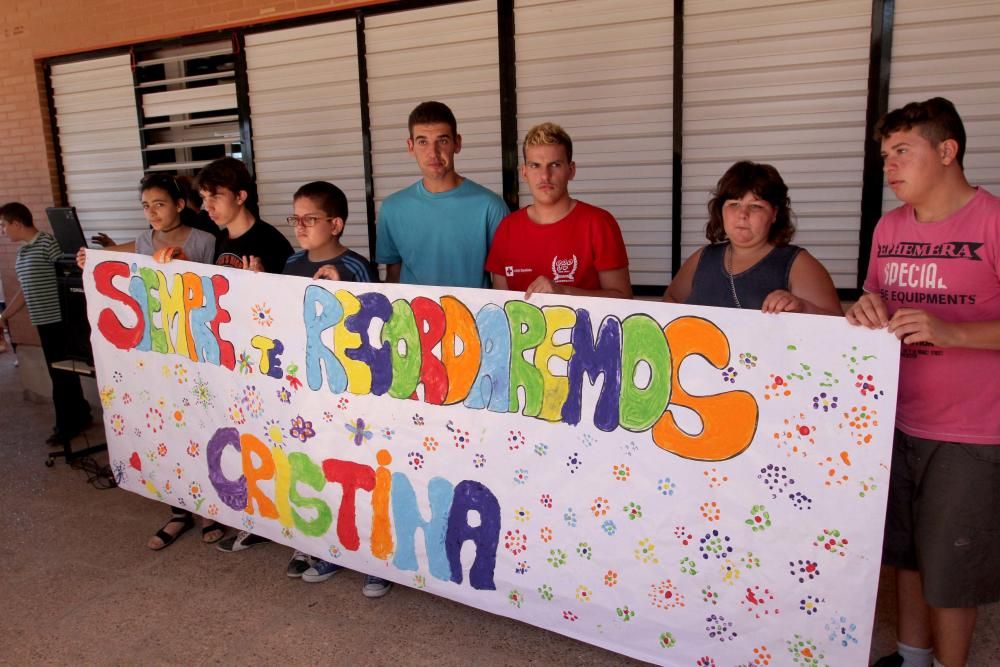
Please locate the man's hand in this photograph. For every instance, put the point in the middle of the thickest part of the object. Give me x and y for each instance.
(782, 301)
(869, 311)
(327, 272)
(81, 258)
(542, 285)
(918, 326)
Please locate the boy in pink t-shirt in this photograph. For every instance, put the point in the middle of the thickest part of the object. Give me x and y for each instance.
(934, 281)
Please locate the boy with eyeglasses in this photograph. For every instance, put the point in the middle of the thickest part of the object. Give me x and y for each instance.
(320, 213)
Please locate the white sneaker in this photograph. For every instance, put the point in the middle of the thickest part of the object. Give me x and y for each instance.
(320, 571)
(299, 563)
(375, 587)
(240, 541)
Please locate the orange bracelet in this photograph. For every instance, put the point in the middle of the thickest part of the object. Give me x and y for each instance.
(164, 255)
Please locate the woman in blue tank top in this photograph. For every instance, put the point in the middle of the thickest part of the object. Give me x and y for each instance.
(749, 262)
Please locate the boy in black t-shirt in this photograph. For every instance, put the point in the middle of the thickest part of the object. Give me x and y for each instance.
(230, 197)
(246, 241)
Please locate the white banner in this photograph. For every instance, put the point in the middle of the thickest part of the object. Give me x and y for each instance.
(685, 485)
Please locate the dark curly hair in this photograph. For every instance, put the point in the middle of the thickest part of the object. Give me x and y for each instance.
(326, 196)
(15, 211)
(428, 113)
(166, 182)
(936, 119)
(764, 182)
(231, 174)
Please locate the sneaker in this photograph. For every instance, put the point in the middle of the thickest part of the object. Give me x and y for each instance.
(58, 437)
(321, 570)
(300, 563)
(375, 587)
(63, 436)
(892, 660)
(240, 541)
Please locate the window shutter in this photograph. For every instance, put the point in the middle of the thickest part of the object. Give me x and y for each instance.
(449, 54)
(99, 144)
(189, 112)
(952, 50)
(604, 71)
(305, 104)
(782, 83)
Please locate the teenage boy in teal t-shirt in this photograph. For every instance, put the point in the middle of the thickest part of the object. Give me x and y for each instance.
(437, 231)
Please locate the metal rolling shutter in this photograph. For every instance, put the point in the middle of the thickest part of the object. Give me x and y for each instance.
(784, 83)
(189, 111)
(447, 53)
(99, 144)
(952, 50)
(305, 107)
(604, 72)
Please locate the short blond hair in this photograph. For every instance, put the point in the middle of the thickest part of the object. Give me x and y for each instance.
(548, 134)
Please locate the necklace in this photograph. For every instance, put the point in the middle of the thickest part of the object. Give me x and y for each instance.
(177, 226)
(157, 236)
(727, 265)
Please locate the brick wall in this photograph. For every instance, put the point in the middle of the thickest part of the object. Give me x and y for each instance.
(31, 30)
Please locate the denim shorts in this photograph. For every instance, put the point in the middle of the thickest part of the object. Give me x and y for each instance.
(944, 519)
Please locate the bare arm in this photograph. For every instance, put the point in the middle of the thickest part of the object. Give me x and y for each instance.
(15, 306)
(810, 290)
(122, 247)
(680, 287)
(499, 282)
(107, 243)
(392, 272)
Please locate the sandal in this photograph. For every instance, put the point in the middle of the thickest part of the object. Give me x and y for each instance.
(186, 521)
(212, 527)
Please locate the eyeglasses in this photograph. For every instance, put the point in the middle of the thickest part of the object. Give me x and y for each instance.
(305, 221)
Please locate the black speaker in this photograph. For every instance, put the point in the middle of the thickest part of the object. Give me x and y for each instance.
(73, 305)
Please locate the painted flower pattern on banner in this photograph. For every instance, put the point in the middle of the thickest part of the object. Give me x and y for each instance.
(713, 503)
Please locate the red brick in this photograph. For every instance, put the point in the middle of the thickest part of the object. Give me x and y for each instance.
(52, 28)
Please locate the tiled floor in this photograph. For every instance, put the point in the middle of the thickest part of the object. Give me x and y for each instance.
(78, 586)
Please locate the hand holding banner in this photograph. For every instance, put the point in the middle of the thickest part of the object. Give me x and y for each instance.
(679, 484)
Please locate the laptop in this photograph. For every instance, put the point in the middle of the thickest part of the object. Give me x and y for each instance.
(67, 230)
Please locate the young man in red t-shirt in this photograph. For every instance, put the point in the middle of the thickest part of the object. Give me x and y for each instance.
(557, 245)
